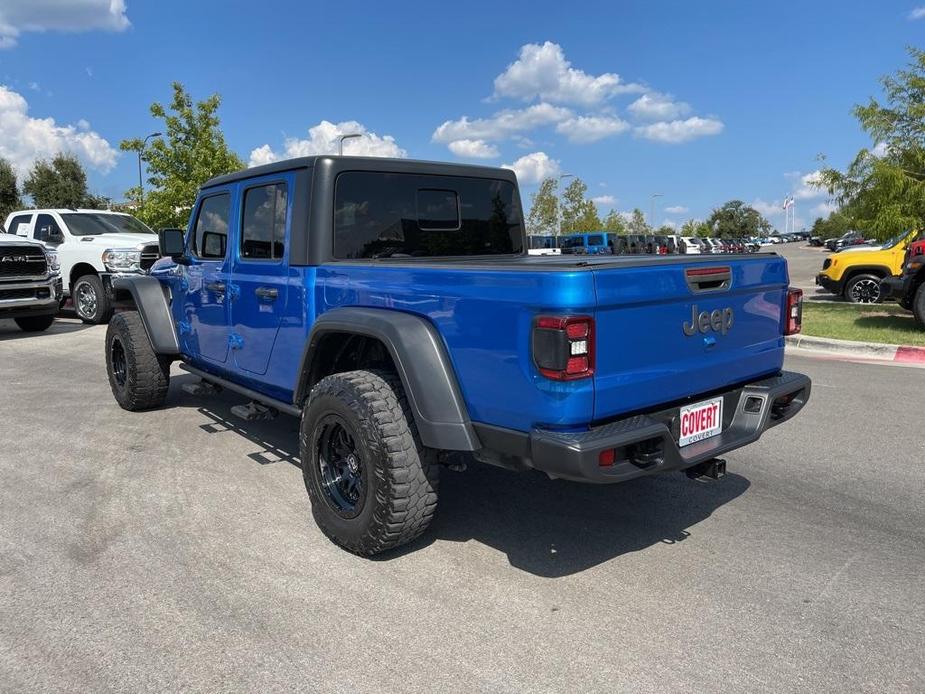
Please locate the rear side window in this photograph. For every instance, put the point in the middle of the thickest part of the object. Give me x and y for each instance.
(19, 224)
(210, 237)
(263, 226)
(386, 215)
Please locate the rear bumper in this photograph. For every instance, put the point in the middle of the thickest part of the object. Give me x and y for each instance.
(895, 287)
(648, 443)
(830, 285)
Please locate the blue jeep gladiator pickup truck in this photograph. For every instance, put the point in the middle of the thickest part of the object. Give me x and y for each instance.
(391, 305)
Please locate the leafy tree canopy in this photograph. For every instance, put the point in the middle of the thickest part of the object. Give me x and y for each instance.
(10, 200)
(191, 151)
(736, 219)
(883, 190)
(61, 182)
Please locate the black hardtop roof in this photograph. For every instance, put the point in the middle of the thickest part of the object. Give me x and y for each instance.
(438, 168)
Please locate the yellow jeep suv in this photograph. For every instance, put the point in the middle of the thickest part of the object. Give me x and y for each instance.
(855, 272)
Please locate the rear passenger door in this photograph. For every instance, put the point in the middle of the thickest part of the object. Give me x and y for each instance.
(261, 270)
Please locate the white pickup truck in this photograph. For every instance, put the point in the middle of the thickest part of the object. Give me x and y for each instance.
(92, 245)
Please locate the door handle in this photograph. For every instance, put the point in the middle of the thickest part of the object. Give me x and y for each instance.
(267, 292)
(216, 287)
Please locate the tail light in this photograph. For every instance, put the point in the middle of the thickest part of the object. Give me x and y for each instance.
(563, 347)
(794, 316)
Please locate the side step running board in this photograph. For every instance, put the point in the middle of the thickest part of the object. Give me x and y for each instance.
(284, 407)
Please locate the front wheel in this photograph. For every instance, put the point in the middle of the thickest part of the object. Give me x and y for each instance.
(863, 289)
(372, 485)
(90, 300)
(139, 378)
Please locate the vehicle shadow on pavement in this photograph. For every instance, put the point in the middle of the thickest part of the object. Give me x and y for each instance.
(10, 331)
(554, 528)
(549, 528)
(277, 440)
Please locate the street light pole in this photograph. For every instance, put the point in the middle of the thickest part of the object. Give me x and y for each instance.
(559, 206)
(141, 185)
(652, 215)
(340, 142)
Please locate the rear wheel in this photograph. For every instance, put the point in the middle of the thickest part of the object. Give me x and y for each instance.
(918, 305)
(35, 324)
(139, 378)
(90, 300)
(863, 289)
(372, 485)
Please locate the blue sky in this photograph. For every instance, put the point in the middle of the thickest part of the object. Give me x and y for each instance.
(702, 102)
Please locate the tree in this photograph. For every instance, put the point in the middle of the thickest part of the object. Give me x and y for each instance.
(578, 213)
(614, 223)
(695, 227)
(192, 151)
(61, 182)
(836, 224)
(544, 209)
(736, 219)
(883, 190)
(9, 190)
(638, 223)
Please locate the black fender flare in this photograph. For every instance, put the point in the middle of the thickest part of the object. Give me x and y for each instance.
(151, 301)
(423, 366)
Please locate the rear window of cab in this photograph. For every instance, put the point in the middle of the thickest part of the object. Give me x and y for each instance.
(392, 215)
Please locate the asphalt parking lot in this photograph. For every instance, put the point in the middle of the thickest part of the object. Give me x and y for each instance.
(804, 262)
(174, 549)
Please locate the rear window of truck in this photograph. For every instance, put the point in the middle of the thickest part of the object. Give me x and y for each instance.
(389, 215)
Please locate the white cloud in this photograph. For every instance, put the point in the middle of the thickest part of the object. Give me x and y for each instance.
(501, 125)
(809, 187)
(473, 149)
(768, 209)
(879, 150)
(668, 223)
(585, 129)
(604, 200)
(542, 71)
(322, 139)
(824, 209)
(534, 167)
(917, 13)
(676, 209)
(677, 131)
(24, 139)
(17, 16)
(655, 106)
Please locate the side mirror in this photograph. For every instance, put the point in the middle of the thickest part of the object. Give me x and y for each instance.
(171, 243)
(55, 235)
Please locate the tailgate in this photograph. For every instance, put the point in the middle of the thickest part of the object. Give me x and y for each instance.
(666, 333)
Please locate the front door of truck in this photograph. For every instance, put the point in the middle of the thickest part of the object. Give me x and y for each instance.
(205, 326)
(261, 270)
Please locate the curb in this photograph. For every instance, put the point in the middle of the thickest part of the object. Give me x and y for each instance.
(864, 350)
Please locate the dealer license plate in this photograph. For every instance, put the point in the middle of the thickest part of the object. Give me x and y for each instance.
(701, 421)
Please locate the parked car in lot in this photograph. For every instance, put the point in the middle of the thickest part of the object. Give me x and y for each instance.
(30, 284)
(585, 244)
(851, 238)
(92, 246)
(690, 245)
(538, 244)
(352, 293)
(909, 288)
(856, 273)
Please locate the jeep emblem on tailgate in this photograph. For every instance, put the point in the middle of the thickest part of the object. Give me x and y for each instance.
(719, 320)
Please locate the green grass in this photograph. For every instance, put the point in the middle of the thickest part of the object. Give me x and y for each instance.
(885, 323)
